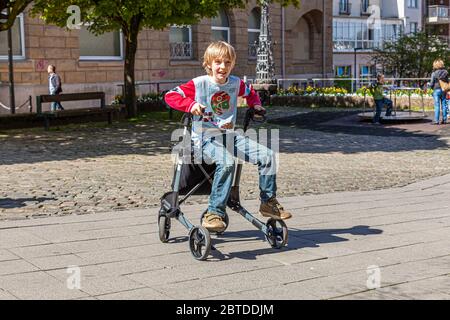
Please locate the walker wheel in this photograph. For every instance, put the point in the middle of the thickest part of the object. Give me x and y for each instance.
(164, 227)
(226, 220)
(199, 243)
(277, 233)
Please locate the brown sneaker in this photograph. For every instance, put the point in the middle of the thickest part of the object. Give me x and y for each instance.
(213, 222)
(273, 209)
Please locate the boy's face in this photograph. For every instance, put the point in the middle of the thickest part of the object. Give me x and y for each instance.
(49, 69)
(381, 79)
(221, 69)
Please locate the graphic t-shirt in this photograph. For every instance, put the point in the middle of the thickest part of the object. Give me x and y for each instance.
(220, 101)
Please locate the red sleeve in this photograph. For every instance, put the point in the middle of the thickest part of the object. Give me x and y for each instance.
(182, 97)
(249, 94)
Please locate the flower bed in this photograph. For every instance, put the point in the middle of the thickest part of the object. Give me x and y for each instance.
(341, 98)
(146, 103)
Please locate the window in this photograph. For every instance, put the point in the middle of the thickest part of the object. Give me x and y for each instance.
(107, 46)
(254, 24)
(302, 38)
(365, 6)
(18, 40)
(344, 7)
(220, 27)
(348, 35)
(343, 71)
(413, 27)
(365, 71)
(180, 39)
(412, 4)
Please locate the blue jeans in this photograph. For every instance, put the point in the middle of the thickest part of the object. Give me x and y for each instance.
(379, 108)
(223, 153)
(440, 99)
(56, 105)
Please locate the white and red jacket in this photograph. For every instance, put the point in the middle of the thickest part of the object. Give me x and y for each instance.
(220, 101)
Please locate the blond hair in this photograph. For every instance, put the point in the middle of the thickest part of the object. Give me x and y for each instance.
(438, 64)
(218, 49)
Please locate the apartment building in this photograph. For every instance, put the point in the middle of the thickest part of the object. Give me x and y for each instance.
(437, 18)
(360, 26)
(301, 37)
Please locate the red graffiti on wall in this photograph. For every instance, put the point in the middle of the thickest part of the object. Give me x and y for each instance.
(41, 65)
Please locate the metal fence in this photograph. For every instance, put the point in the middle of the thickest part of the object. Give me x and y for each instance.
(27, 103)
(352, 84)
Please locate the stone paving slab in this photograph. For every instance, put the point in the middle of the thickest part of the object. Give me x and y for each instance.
(404, 232)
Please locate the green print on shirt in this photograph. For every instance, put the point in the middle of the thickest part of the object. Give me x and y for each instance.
(220, 102)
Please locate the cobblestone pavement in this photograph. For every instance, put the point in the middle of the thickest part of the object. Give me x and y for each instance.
(86, 169)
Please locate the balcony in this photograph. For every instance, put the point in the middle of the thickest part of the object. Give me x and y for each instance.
(349, 45)
(345, 8)
(438, 14)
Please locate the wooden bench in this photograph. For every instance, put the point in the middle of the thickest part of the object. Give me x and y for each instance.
(47, 115)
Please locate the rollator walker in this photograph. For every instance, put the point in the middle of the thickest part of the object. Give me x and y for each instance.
(196, 179)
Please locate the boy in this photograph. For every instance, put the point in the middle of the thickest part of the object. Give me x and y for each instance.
(380, 100)
(214, 96)
(54, 86)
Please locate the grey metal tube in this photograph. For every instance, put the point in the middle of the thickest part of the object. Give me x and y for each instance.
(283, 49)
(324, 29)
(12, 98)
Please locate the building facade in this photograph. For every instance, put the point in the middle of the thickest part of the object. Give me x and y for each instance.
(437, 18)
(302, 48)
(360, 26)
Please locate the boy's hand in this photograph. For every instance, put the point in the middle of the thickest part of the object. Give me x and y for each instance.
(197, 109)
(228, 125)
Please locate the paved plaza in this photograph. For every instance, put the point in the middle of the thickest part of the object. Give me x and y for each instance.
(337, 243)
(81, 170)
(371, 216)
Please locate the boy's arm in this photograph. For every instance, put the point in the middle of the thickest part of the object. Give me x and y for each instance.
(249, 94)
(181, 98)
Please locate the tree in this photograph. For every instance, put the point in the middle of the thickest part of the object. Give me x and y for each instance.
(412, 55)
(131, 16)
(15, 8)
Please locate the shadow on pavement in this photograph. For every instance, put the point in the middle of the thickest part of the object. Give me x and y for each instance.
(298, 239)
(153, 138)
(8, 203)
(341, 131)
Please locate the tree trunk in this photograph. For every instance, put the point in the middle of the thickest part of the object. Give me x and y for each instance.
(131, 43)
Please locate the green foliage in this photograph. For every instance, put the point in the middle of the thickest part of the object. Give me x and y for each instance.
(147, 97)
(344, 82)
(151, 97)
(336, 91)
(15, 8)
(107, 15)
(412, 55)
(310, 91)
